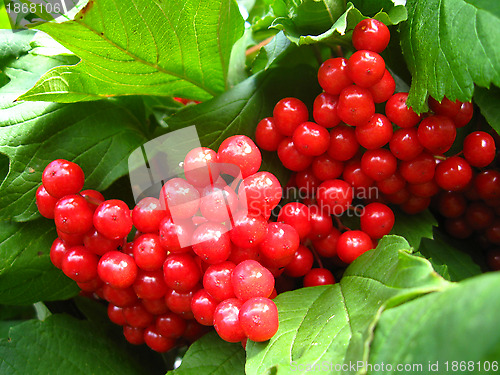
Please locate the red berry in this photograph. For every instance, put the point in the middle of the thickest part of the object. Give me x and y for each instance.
(343, 143)
(306, 183)
(180, 302)
(418, 170)
(371, 34)
(332, 75)
(267, 135)
(321, 222)
(200, 166)
(356, 105)
(72, 215)
(453, 174)
(479, 149)
(150, 284)
(217, 204)
(170, 325)
(121, 297)
(250, 279)
(58, 251)
(115, 314)
(226, 320)
(437, 134)
(311, 139)
(318, 276)
(45, 202)
(180, 199)
(397, 111)
(375, 133)
(326, 247)
(176, 237)
(157, 342)
(352, 244)
(365, 68)
(415, 204)
(405, 145)
(93, 198)
(297, 215)
(262, 192)
(147, 215)
(290, 156)
(479, 216)
(301, 262)
(217, 281)
(62, 177)
(181, 272)
(377, 220)
(355, 176)
(334, 196)
(137, 316)
(487, 184)
(133, 335)
(379, 164)
(258, 318)
(280, 243)
(325, 110)
(148, 252)
(117, 269)
(155, 306)
(383, 89)
(425, 190)
(464, 115)
(211, 242)
(392, 184)
(248, 230)
(241, 151)
(100, 245)
(203, 306)
(112, 218)
(325, 167)
(289, 113)
(445, 108)
(79, 264)
(452, 204)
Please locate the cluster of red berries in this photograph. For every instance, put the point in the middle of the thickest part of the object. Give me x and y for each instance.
(350, 152)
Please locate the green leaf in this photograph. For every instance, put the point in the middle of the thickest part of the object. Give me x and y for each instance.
(238, 110)
(26, 273)
(167, 48)
(307, 17)
(414, 227)
(445, 252)
(63, 345)
(487, 100)
(453, 325)
(275, 49)
(335, 323)
(340, 29)
(449, 45)
(212, 355)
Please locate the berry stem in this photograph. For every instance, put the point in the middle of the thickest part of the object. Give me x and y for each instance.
(341, 227)
(257, 47)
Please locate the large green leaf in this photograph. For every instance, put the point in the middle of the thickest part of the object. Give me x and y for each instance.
(335, 323)
(212, 355)
(457, 326)
(488, 100)
(238, 110)
(64, 345)
(449, 45)
(172, 48)
(26, 273)
(451, 262)
(340, 28)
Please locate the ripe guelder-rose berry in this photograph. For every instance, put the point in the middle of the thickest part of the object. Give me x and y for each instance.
(251, 279)
(112, 218)
(241, 151)
(62, 177)
(227, 322)
(258, 318)
(117, 269)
